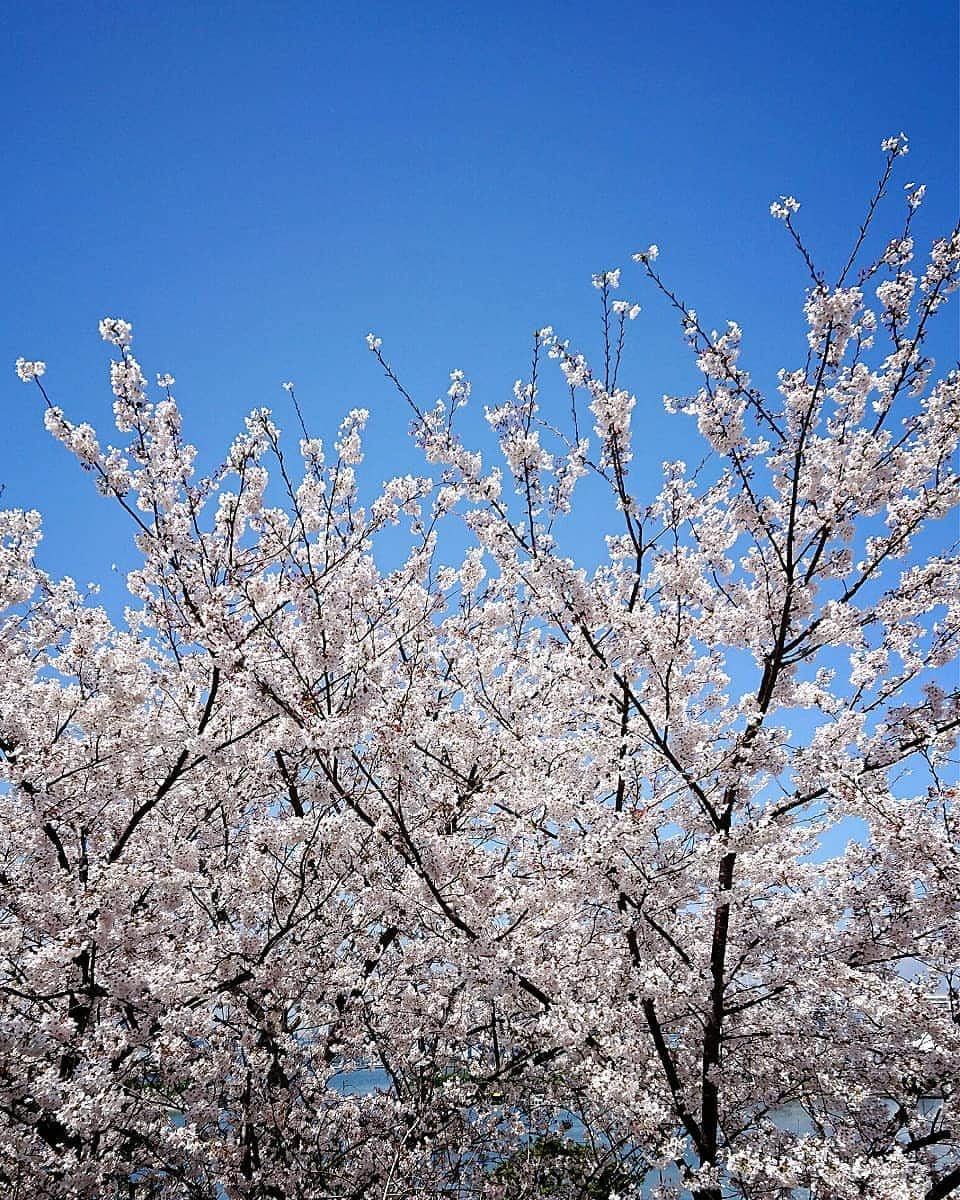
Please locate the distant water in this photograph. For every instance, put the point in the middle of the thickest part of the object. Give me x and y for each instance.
(361, 1082)
(364, 1081)
(374, 1079)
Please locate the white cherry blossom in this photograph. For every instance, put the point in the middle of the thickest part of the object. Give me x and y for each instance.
(525, 828)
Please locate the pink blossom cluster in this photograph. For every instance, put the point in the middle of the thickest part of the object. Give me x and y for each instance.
(495, 874)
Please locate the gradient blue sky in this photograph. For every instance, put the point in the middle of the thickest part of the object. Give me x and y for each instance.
(255, 187)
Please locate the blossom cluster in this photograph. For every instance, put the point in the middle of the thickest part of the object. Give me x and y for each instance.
(28, 371)
(489, 837)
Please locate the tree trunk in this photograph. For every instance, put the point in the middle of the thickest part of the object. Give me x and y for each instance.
(713, 1033)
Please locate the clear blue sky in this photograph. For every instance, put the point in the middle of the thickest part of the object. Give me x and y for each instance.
(256, 186)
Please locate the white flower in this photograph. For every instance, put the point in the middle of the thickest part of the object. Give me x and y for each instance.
(459, 390)
(787, 206)
(28, 371)
(288, 386)
(898, 252)
(915, 199)
(649, 255)
(625, 308)
(165, 381)
(373, 342)
(117, 331)
(472, 571)
(895, 145)
(609, 279)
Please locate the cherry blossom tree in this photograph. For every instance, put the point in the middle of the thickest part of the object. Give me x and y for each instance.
(504, 878)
